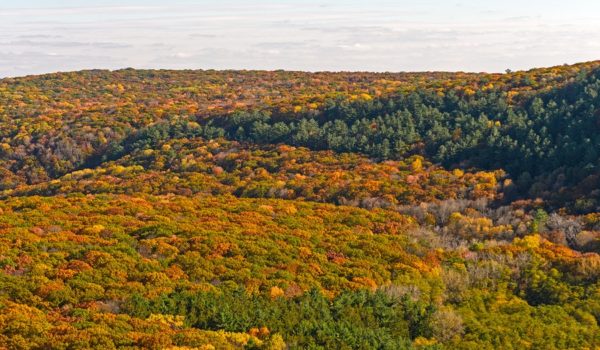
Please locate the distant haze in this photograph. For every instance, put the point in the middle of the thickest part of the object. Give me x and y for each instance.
(463, 35)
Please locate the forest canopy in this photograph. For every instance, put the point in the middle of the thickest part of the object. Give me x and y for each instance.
(273, 210)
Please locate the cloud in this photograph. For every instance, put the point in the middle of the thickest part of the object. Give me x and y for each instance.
(65, 44)
(198, 35)
(382, 35)
(38, 36)
(37, 62)
(181, 55)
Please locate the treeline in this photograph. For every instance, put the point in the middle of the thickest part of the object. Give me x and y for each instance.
(57, 123)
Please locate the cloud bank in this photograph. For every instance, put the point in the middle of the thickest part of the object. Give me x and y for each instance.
(296, 35)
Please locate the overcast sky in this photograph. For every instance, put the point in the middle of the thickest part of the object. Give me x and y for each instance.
(39, 36)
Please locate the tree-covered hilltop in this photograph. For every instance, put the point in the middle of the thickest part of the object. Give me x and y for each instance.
(540, 126)
(549, 142)
(274, 210)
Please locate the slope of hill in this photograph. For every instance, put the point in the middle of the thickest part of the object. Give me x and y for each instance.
(273, 210)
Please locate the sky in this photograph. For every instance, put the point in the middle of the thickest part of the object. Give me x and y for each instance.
(42, 36)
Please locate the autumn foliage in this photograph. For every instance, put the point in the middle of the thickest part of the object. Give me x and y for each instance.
(276, 210)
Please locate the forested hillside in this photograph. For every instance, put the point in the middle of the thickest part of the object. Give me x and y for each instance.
(275, 210)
